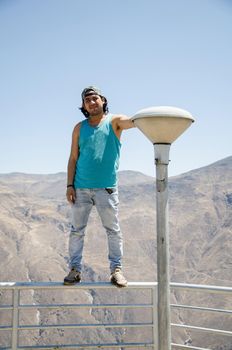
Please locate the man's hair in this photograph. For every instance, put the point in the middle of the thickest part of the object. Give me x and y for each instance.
(105, 107)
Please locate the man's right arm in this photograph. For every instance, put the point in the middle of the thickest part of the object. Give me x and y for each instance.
(71, 194)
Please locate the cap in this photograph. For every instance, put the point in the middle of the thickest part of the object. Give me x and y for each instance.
(90, 90)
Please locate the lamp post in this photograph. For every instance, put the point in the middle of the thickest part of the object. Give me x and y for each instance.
(162, 126)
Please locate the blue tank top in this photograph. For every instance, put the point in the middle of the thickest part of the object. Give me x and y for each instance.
(99, 152)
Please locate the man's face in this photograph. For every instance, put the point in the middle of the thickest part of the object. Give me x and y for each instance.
(93, 104)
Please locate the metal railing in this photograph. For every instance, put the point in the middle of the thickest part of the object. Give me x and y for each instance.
(16, 306)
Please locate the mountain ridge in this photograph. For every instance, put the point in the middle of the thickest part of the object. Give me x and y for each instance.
(223, 161)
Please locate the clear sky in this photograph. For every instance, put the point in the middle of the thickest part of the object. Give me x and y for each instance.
(140, 53)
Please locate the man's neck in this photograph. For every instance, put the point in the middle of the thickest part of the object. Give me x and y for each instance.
(96, 119)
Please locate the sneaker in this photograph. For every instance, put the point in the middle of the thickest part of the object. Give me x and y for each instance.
(117, 278)
(73, 277)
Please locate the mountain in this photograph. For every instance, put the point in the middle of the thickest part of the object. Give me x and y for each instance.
(35, 223)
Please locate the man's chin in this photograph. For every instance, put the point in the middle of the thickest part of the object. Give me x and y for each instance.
(95, 113)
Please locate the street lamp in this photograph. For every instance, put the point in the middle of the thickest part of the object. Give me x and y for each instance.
(162, 126)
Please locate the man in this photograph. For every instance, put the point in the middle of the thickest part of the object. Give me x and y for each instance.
(92, 180)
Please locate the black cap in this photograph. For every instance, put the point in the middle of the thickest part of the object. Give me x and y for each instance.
(90, 90)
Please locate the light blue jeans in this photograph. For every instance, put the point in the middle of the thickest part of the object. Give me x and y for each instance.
(107, 207)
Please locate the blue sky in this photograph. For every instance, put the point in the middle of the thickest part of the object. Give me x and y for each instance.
(140, 53)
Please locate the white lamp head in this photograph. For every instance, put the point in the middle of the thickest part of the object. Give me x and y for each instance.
(162, 124)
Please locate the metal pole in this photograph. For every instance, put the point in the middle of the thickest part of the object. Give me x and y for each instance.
(164, 325)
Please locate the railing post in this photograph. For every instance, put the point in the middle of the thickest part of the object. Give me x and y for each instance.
(15, 319)
(155, 317)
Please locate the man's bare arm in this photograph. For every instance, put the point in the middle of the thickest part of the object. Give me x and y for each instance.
(123, 122)
(120, 123)
(71, 195)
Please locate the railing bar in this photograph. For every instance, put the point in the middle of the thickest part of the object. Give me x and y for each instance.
(6, 307)
(97, 285)
(201, 288)
(63, 306)
(98, 325)
(211, 330)
(77, 306)
(89, 346)
(201, 308)
(189, 347)
(6, 328)
(82, 285)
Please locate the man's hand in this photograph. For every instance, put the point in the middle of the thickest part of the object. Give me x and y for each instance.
(71, 195)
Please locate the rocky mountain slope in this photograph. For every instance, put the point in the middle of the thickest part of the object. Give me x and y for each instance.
(35, 222)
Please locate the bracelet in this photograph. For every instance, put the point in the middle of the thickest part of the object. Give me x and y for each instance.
(69, 186)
